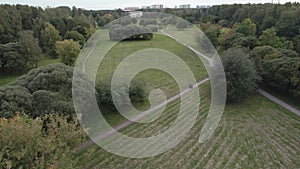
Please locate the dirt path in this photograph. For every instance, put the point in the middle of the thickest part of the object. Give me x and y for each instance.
(278, 101)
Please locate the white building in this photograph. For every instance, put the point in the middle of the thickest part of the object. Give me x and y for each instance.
(155, 6)
(185, 6)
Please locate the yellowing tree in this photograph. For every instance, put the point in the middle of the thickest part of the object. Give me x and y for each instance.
(68, 50)
(247, 27)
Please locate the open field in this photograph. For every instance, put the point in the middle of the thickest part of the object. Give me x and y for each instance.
(255, 133)
(153, 78)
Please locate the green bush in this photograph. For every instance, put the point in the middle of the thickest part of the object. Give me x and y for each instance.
(137, 92)
(241, 76)
(42, 91)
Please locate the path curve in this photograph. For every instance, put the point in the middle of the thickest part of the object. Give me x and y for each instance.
(278, 101)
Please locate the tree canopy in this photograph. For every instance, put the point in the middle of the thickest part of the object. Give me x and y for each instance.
(241, 75)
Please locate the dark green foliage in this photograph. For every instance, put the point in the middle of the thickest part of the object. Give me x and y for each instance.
(76, 36)
(240, 40)
(54, 78)
(265, 53)
(181, 25)
(287, 24)
(10, 58)
(49, 35)
(283, 74)
(29, 48)
(43, 90)
(145, 22)
(130, 32)
(154, 28)
(261, 53)
(124, 21)
(14, 99)
(296, 41)
(288, 53)
(169, 20)
(241, 76)
(137, 92)
(103, 20)
(212, 36)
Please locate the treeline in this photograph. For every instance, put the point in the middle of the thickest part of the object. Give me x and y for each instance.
(48, 90)
(28, 32)
(132, 29)
(270, 35)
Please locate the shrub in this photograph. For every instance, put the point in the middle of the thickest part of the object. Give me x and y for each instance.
(241, 76)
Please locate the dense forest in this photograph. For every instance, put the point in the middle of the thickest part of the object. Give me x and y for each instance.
(257, 42)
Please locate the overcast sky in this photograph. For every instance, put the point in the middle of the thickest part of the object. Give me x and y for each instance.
(112, 4)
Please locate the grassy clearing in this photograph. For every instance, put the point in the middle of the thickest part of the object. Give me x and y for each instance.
(255, 133)
(47, 60)
(154, 78)
(8, 78)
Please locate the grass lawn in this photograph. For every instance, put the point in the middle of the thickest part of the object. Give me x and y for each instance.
(47, 60)
(255, 133)
(154, 78)
(8, 78)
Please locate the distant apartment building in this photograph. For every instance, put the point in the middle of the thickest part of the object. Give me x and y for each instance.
(185, 6)
(156, 6)
(203, 6)
(130, 9)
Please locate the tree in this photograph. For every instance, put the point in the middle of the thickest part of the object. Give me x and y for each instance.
(49, 35)
(296, 42)
(283, 74)
(137, 92)
(145, 22)
(76, 36)
(287, 24)
(10, 58)
(68, 50)
(212, 36)
(29, 48)
(241, 76)
(269, 38)
(44, 90)
(39, 143)
(225, 33)
(14, 99)
(130, 32)
(247, 27)
(240, 40)
(181, 25)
